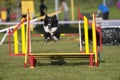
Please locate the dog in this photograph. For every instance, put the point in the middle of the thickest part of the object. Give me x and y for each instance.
(50, 27)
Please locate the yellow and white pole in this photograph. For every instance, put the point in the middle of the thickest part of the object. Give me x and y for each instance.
(94, 38)
(94, 35)
(26, 45)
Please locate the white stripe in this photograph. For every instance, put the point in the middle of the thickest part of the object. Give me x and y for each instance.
(64, 22)
(104, 23)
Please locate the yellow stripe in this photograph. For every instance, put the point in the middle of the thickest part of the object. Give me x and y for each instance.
(86, 35)
(62, 34)
(26, 57)
(23, 37)
(94, 38)
(72, 9)
(15, 42)
(41, 34)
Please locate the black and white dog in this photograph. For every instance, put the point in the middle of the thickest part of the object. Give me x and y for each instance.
(50, 27)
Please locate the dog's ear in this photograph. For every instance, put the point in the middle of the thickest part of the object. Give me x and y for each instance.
(46, 20)
(46, 17)
(55, 17)
(55, 20)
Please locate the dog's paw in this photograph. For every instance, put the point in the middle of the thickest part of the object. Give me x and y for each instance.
(55, 39)
(47, 39)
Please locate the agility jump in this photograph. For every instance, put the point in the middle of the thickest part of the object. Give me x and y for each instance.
(87, 54)
(82, 55)
(30, 57)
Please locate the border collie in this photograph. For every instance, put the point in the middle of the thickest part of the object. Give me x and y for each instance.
(50, 27)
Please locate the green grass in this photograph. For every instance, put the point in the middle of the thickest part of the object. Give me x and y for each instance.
(11, 68)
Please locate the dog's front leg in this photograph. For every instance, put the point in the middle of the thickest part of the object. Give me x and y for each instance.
(52, 32)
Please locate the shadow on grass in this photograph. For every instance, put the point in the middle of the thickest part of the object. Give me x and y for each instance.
(65, 63)
(62, 63)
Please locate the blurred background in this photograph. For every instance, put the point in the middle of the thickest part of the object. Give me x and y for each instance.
(12, 10)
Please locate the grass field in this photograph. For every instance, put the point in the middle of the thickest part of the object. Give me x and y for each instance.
(11, 68)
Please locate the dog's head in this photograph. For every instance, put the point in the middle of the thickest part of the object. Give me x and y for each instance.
(50, 21)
